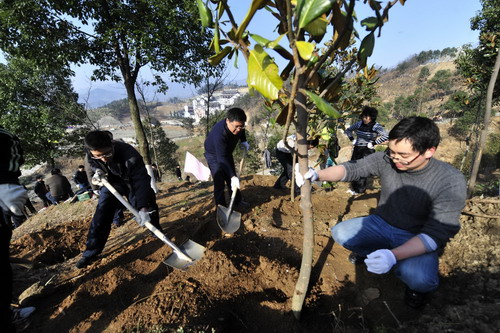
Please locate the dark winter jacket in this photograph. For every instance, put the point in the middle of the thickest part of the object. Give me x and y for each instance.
(126, 172)
(11, 158)
(40, 188)
(59, 187)
(220, 143)
(80, 177)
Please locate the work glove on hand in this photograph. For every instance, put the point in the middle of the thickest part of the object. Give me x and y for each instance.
(99, 175)
(369, 145)
(235, 183)
(245, 145)
(311, 174)
(143, 217)
(13, 198)
(353, 142)
(380, 261)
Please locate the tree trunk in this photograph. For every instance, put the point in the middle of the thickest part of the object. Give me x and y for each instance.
(484, 131)
(142, 141)
(306, 207)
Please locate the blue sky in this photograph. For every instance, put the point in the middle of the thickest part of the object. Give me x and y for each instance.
(419, 25)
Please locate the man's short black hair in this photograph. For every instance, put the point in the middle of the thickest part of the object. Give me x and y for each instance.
(421, 132)
(39, 177)
(97, 140)
(81, 167)
(370, 112)
(236, 114)
(55, 171)
(313, 142)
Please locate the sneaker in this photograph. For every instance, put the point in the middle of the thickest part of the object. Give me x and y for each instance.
(356, 259)
(19, 314)
(351, 192)
(415, 299)
(84, 262)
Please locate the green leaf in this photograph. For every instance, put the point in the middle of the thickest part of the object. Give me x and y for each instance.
(317, 27)
(370, 23)
(323, 105)
(305, 49)
(205, 15)
(264, 42)
(312, 9)
(217, 58)
(366, 48)
(256, 5)
(263, 73)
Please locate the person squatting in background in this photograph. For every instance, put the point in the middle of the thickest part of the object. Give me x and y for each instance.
(41, 191)
(417, 214)
(123, 167)
(285, 157)
(368, 134)
(58, 186)
(219, 147)
(80, 178)
(13, 197)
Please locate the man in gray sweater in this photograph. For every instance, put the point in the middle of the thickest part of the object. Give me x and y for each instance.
(418, 211)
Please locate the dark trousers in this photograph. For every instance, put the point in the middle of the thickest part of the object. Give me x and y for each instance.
(13, 220)
(220, 178)
(30, 207)
(286, 160)
(100, 226)
(359, 152)
(5, 268)
(46, 202)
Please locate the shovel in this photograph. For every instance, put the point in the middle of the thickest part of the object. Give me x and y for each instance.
(227, 219)
(183, 256)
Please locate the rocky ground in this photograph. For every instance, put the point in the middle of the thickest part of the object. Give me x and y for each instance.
(244, 283)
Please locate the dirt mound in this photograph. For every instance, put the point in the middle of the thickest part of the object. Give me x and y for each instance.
(244, 283)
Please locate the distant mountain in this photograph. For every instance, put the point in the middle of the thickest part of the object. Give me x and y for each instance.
(99, 97)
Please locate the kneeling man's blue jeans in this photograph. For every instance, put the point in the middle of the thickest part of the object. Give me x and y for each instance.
(364, 235)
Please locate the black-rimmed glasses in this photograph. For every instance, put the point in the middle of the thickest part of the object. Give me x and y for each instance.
(388, 158)
(102, 156)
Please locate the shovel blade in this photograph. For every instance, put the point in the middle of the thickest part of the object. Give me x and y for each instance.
(191, 252)
(228, 220)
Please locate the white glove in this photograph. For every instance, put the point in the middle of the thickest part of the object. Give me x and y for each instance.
(369, 145)
(353, 142)
(143, 218)
(235, 183)
(13, 198)
(380, 261)
(246, 145)
(311, 174)
(99, 175)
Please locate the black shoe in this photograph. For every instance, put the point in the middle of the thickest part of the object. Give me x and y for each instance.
(415, 299)
(241, 205)
(356, 259)
(84, 262)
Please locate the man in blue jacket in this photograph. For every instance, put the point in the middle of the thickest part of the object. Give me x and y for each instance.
(123, 167)
(219, 147)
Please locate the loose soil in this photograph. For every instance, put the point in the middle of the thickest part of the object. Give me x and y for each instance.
(245, 282)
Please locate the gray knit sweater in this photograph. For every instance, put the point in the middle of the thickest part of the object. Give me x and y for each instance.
(420, 201)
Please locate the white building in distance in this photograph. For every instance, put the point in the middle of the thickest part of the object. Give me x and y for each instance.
(220, 101)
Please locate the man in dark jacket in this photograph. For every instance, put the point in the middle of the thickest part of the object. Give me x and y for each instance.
(80, 177)
(123, 167)
(59, 186)
(41, 191)
(219, 147)
(13, 196)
